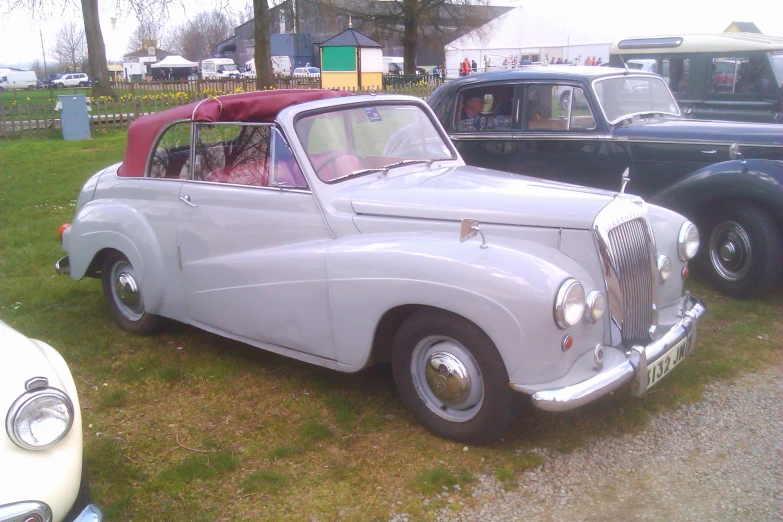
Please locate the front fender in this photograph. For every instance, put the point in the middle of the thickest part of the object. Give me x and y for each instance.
(760, 181)
(101, 225)
(508, 292)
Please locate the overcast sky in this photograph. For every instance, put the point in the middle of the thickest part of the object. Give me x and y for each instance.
(20, 43)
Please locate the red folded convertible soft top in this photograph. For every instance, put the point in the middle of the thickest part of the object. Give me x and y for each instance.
(260, 107)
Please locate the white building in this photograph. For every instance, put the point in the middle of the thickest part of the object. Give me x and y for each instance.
(527, 33)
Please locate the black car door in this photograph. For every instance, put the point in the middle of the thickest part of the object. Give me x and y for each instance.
(560, 138)
(482, 129)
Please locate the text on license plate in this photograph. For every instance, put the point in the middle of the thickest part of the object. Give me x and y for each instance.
(657, 370)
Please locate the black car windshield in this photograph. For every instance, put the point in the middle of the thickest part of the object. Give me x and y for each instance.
(351, 141)
(626, 96)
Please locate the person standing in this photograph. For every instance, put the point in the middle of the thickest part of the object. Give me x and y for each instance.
(473, 67)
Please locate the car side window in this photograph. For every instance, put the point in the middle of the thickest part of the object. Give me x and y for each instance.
(557, 108)
(676, 72)
(245, 154)
(741, 75)
(171, 155)
(485, 109)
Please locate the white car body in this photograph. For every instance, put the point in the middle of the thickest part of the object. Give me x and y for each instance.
(11, 79)
(72, 80)
(218, 68)
(51, 476)
(307, 72)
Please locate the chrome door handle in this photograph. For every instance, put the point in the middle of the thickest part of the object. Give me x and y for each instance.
(709, 152)
(186, 199)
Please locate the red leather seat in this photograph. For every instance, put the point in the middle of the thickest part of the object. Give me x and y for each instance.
(339, 166)
(254, 174)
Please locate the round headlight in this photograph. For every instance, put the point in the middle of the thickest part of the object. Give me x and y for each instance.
(688, 241)
(664, 267)
(39, 418)
(595, 306)
(569, 303)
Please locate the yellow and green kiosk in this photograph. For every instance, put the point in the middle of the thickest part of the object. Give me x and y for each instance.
(351, 60)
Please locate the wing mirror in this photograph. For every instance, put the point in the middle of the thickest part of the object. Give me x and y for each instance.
(469, 229)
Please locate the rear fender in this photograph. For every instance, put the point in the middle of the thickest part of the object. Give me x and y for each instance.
(108, 225)
(759, 181)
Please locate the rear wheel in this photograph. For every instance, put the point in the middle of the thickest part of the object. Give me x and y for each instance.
(745, 251)
(123, 296)
(449, 373)
(82, 84)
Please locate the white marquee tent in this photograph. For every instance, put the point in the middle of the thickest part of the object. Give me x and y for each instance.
(528, 32)
(173, 62)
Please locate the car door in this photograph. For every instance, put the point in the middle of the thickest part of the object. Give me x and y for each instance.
(559, 137)
(252, 241)
(482, 129)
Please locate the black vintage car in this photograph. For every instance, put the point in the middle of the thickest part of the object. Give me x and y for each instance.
(587, 125)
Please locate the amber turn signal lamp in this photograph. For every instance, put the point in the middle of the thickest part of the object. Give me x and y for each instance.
(62, 229)
(685, 273)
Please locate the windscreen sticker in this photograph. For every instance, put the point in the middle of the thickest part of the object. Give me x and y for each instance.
(372, 114)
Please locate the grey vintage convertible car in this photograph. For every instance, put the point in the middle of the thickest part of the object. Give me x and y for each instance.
(345, 230)
(587, 125)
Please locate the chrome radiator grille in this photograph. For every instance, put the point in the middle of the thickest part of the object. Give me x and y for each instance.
(629, 243)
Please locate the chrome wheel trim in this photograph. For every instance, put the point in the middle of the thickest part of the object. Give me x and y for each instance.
(125, 291)
(730, 250)
(447, 378)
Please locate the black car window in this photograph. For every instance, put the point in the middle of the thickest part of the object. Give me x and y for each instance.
(485, 109)
(676, 72)
(741, 75)
(557, 108)
(171, 155)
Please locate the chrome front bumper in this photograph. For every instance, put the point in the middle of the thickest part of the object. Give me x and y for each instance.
(33, 510)
(633, 369)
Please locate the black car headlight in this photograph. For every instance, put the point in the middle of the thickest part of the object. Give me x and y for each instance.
(39, 418)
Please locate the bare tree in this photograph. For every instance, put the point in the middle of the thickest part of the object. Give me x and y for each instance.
(263, 55)
(96, 49)
(148, 33)
(199, 38)
(70, 47)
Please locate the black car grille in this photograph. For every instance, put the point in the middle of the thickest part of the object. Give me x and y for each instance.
(631, 254)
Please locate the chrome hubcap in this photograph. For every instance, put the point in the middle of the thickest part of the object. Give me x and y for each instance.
(447, 378)
(126, 291)
(730, 251)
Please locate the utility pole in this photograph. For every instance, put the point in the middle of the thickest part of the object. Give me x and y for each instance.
(46, 70)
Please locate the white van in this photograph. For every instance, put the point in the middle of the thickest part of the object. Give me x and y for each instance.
(280, 65)
(11, 79)
(219, 68)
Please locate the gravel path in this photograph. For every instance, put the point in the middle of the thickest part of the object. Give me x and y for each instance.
(719, 459)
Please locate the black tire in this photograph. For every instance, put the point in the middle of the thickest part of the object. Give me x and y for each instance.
(743, 251)
(499, 405)
(128, 311)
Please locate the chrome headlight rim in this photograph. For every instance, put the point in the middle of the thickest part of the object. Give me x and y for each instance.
(25, 400)
(564, 292)
(683, 241)
(664, 268)
(594, 300)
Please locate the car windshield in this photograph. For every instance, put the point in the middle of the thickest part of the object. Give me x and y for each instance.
(313, 70)
(352, 141)
(626, 96)
(777, 66)
(230, 67)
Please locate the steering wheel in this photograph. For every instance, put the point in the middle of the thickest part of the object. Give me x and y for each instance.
(331, 158)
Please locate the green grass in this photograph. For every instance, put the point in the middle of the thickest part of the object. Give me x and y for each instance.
(189, 422)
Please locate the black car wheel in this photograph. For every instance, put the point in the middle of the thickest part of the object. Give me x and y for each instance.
(82, 84)
(123, 296)
(449, 373)
(564, 98)
(744, 255)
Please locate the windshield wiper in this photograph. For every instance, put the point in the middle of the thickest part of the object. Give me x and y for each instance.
(406, 162)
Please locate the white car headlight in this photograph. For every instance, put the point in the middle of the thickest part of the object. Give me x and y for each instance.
(688, 241)
(39, 418)
(595, 306)
(569, 303)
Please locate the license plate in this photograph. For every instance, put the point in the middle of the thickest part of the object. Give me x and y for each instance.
(657, 370)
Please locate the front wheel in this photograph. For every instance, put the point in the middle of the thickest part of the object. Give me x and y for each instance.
(123, 296)
(745, 252)
(449, 373)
